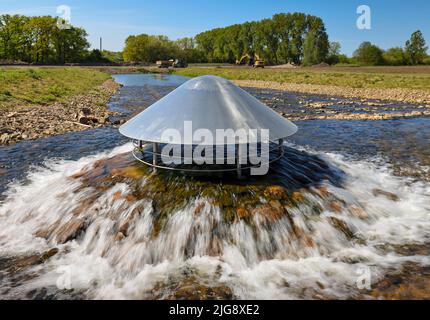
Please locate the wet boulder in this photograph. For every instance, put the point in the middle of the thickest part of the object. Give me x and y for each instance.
(69, 231)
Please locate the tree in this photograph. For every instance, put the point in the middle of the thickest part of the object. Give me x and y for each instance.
(333, 53)
(146, 48)
(283, 25)
(316, 42)
(70, 45)
(134, 49)
(395, 57)
(369, 54)
(13, 40)
(112, 56)
(266, 42)
(343, 59)
(416, 49)
(39, 40)
(41, 30)
(310, 56)
(276, 40)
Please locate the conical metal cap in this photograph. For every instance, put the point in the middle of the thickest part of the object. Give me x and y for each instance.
(210, 103)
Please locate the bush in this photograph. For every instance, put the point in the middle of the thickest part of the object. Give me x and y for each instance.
(369, 54)
(395, 57)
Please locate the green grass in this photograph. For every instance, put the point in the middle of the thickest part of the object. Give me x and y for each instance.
(35, 86)
(357, 78)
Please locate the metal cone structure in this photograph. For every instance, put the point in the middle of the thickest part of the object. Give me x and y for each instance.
(209, 103)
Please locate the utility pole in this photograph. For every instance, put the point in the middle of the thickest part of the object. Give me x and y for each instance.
(101, 44)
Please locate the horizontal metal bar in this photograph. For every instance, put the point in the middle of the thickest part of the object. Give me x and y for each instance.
(151, 153)
(204, 170)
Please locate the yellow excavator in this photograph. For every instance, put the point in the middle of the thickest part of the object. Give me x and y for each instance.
(251, 60)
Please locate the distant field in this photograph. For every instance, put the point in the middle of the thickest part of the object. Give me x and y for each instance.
(22, 86)
(353, 77)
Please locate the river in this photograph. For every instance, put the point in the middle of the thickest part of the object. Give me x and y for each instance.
(345, 214)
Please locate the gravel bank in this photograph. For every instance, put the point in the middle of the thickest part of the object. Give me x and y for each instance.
(402, 95)
(81, 112)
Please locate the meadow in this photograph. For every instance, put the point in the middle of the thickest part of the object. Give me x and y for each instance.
(40, 86)
(351, 77)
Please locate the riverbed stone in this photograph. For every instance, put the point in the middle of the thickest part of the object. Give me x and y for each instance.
(69, 231)
(78, 113)
(389, 195)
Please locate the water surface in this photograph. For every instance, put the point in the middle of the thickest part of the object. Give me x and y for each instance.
(348, 195)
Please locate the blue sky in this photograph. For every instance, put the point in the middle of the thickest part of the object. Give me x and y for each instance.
(392, 20)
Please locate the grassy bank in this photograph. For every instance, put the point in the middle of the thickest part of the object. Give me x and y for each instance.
(40, 86)
(373, 78)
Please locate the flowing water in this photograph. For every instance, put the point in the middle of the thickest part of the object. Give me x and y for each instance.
(348, 204)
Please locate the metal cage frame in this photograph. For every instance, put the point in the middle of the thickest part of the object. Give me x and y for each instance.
(140, 147)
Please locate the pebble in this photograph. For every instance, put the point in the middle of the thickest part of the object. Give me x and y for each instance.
(34, 122)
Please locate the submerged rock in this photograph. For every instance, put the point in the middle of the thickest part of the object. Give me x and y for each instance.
(69, 231)
(14, 265)
(191, 289)
(386, 194)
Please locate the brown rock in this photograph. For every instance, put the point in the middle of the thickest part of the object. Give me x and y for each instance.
(388, 195)
(119, 237)
(191, 289)
(342, 226)
(308, 242)
(49, 254)
(129, 172)
(276, 192)
(199, 209)
(323, 191)
(272, 211)
(27, 262)
(242, 213)
(297, 197)
(335, 206)
(358, 212)
(85, 120)
(117, 195)
(69, 231)
(123, 228)
(86, 111)
(125, 225)
(130, 198)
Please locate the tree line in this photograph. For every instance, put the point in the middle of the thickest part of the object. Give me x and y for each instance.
(295, 38)
(285, 38)
(148, 49)
(413, 53)
(39, 40)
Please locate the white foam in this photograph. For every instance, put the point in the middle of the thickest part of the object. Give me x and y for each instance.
(260, 263)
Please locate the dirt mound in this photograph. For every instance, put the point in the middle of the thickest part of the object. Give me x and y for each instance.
(284, 66)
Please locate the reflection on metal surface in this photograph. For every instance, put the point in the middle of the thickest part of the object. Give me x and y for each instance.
(210, 103)
(214, 108)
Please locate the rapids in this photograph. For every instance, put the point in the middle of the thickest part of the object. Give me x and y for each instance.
(99, 225)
